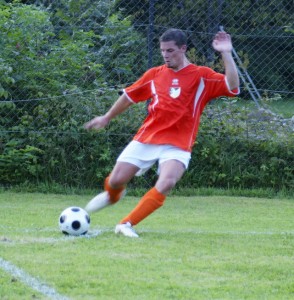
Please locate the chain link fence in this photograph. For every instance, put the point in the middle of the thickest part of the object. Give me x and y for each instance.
(63, 62)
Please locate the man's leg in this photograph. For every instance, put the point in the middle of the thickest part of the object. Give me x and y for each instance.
(114, 186)
(120, 176)
(171, 172)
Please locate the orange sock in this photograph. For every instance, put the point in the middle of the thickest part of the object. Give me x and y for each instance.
(151, 201)
(114, 194)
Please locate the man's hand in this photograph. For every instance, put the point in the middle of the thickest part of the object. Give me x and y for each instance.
(97, 123)
(222, 42)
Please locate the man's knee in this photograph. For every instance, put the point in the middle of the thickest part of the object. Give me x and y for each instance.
(165, 185)
(121, 174)
(116, 181)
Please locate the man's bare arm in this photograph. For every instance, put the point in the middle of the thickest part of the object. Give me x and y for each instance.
(223, 44)
(118, 107)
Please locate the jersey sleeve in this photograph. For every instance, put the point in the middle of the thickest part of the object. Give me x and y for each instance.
(217, 84)
(141, 90)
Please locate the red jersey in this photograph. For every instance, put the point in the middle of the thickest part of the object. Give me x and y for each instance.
(177, 102)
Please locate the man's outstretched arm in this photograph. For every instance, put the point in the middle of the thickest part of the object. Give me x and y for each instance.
(118, 107)
(223, 44)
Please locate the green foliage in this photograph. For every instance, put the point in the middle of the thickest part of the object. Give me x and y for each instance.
(237, 147)
(71, 59)
(36, 62)
(25, 33)
(5, 78)
(122, 65)
(242, 149)
(52, 57)
(19, 165)
(41, 59)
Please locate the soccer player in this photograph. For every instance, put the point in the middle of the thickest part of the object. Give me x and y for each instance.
(179, 91)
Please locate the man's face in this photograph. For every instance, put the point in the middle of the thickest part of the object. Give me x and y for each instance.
(173, 55)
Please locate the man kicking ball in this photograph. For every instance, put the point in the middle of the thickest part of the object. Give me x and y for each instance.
(179, 92)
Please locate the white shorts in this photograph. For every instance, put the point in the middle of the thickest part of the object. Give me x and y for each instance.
(144, 156)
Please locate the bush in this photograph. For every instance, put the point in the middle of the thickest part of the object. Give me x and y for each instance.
(236, 147)
(241, 148)
(20, 165)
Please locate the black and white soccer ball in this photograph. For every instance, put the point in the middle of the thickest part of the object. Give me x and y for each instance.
(74, 221)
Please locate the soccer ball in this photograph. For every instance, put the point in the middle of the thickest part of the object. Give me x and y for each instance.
(74, 221)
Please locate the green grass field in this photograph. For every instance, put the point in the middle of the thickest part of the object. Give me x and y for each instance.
(192, 248)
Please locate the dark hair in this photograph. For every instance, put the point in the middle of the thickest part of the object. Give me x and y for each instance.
(176, 35)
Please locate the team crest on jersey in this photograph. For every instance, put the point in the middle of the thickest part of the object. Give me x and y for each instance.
(174, 92)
